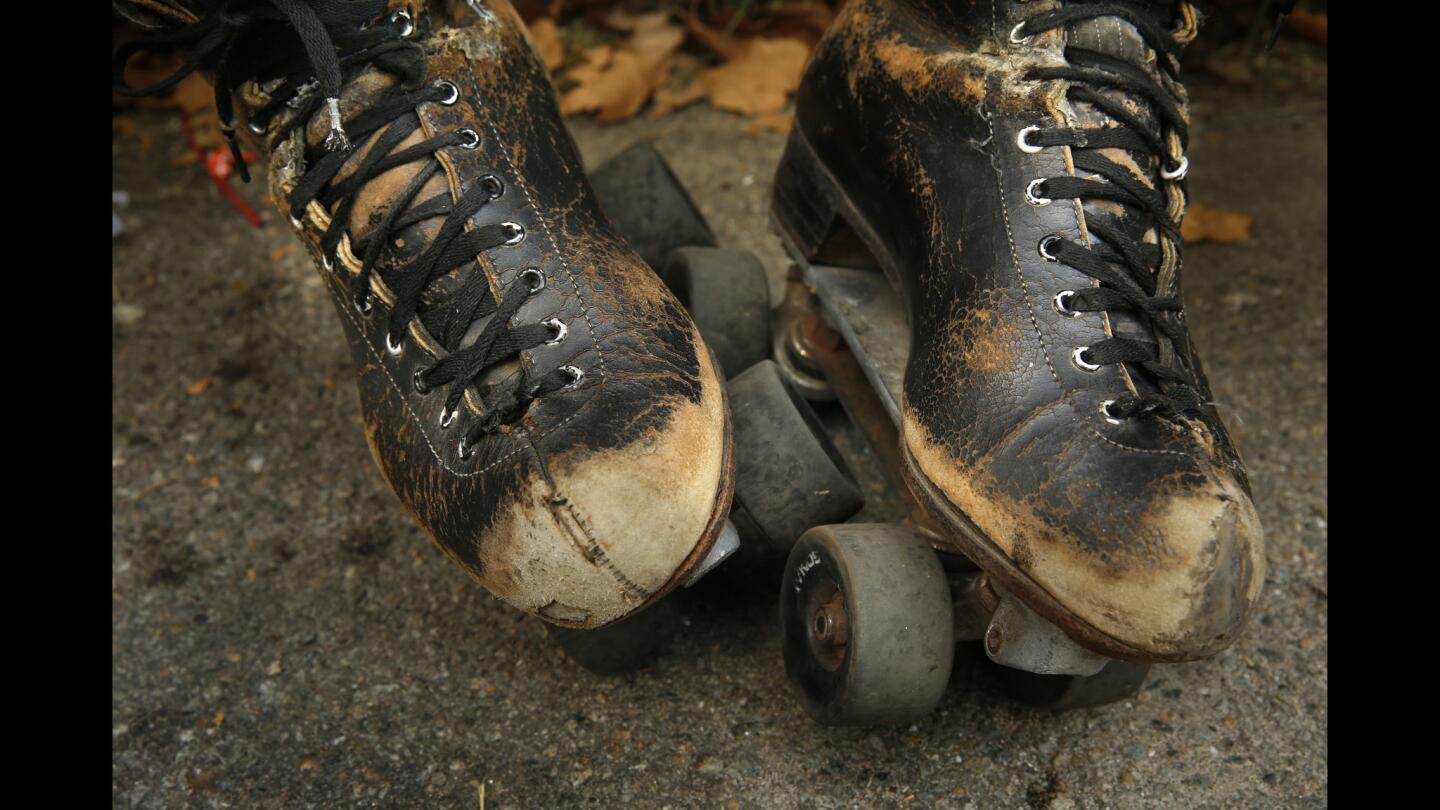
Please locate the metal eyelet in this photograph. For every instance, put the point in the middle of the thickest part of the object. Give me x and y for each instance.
(394, 347)
(559, 327)
(472, 140)
(1061, 307)
(255, 129)
(517, 233)
(296, 223)
(494, 185)
(1044, 247)
(1015, 38)
(417, 380)
(409, 27)
(465, 451)
(364, 306)
(1022, 141)
(538, 276)
(1179, 172)
(1105, 412)
(447, 418)
(327, 262)
(1077, 357)
(1033, 198)
(452, 93)
(576, 375)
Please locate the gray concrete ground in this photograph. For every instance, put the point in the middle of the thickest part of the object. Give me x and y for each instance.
(283, 636)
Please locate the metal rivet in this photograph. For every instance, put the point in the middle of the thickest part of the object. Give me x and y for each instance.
(403, 16)
(1044, 248)
(558, 327)
(1022, 140)
(537, 279)
(1105, 411)
(1179, 172)
(1060, 301)
(1033, 198)
(1078, 358)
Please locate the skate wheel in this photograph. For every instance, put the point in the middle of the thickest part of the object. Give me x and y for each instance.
(865, 613)
(788, 475)
(1117, 681)
(623, 646)
(647, 204)
(728, 297)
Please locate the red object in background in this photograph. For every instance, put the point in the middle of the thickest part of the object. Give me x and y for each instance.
(220, 165)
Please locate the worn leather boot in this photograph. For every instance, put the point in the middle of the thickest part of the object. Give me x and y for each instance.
(1017, 170)
(534, 395)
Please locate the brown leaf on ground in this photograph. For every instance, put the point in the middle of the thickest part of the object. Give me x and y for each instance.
(198, 387)
(616, 82)
(1230, 71)
(670, 98)
(546, 35)
(610, 83)
(1202, 224)
(196, 97)
(1310, 26)
(718, 41)
(759, 78)
(772, 122)
(805, 20)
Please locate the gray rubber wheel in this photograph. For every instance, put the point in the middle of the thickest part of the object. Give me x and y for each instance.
(623, 646)
(728, 297)
(865, 613)
(1118, 681)
(647, 204)
(788, 475)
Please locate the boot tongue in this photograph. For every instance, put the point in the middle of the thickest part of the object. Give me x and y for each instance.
(1118, 38)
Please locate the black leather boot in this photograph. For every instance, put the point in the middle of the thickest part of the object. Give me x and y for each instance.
(1017, 170)
(535, 396)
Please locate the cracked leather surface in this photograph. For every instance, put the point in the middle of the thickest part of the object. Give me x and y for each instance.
(599, 498)
(1139, 537)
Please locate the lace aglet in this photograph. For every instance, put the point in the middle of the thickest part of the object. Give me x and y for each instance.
(337, 139)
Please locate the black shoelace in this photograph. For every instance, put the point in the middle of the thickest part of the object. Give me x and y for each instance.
(240, 39)
(1128, 271)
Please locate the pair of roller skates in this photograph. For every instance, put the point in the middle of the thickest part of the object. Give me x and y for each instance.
(984, 199)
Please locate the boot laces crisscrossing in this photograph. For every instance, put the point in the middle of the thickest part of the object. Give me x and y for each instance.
(1134, 276)
(244, 39)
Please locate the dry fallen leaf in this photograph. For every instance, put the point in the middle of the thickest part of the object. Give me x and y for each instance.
(1202, 224)
(546, 35)
(759, 78)
(281, 252)
(608, 82)
(196, 97)
(616, 82)
(1310, 26)
(198, 387)
(774, 122)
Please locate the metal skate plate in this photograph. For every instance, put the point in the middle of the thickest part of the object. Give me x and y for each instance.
(1019, 638)
(726, 544)
(863, 307)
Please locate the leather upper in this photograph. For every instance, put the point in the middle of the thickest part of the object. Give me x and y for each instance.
(1143, 531)
(600, 496)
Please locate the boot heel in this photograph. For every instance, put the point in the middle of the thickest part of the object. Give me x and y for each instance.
(807, 206)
